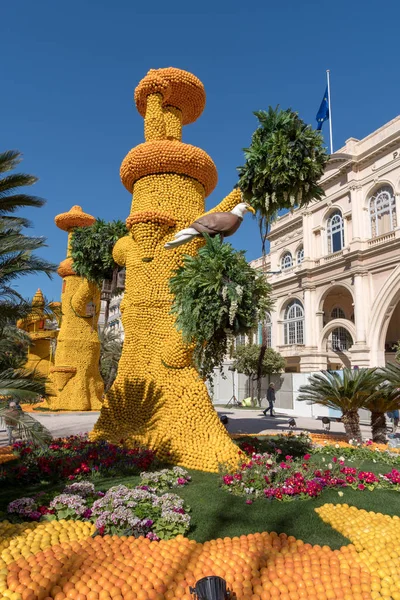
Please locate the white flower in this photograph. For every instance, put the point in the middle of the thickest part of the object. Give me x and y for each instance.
(330, 466)
(377, 450)
(337, 446)
(323, 460)
(341, 458)
(269, 462)
(340, 494)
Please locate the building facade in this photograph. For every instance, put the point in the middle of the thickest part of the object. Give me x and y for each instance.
(114, 316)
(335, 266)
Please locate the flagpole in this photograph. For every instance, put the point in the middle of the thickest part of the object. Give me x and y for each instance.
(330, 110)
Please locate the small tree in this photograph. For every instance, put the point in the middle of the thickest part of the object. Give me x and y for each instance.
(217, 295)
(91, 252)
(347, 391)
(283, 164)
(246, 362)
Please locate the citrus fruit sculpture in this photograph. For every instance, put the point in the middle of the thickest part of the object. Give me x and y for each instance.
(40, 354)
(60, 560)
(158, 398)
(75, 377)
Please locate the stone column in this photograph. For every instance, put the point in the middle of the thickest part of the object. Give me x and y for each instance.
(309, 315)
(360, 307)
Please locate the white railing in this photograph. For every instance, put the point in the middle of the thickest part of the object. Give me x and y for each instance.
(382, 239)
(333, 256)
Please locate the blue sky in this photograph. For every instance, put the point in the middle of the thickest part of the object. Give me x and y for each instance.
(69, 70)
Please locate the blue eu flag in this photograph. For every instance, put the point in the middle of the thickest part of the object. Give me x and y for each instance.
(323, 113)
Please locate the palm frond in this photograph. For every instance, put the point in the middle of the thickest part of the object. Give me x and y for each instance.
(15, 181)
(9, 160)
(28, 428)
(347, 391)
(11, 203)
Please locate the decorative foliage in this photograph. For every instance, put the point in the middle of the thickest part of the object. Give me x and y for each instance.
(284, 162)
(91, 249)
(217, 294)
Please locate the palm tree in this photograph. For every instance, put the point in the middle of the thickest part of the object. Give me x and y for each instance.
(283, 165)
(383, 401)
(16, 249)
(386, 399)
(17, 258)
(23, 385)
(110, 353)
(348, 392)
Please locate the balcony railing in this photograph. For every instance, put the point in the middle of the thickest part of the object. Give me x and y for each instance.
(382, 239)
(334, 256)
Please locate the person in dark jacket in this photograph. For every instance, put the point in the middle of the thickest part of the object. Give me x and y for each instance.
(270, 399)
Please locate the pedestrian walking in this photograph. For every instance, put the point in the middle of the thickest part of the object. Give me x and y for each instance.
(270, 399)
(11, 415)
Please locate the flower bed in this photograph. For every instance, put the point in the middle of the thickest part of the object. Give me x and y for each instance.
(279, 477)
(120, 510)
(74, 458)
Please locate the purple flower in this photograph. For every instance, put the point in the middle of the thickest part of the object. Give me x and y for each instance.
(87, 514)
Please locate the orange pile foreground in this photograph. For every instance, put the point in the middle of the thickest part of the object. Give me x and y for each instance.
(59, 560)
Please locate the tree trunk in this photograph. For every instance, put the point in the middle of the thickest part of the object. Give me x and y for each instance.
(351, 422)
(378, 426)
(263, 350)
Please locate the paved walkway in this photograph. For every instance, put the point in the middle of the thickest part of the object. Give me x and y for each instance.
(240, 421)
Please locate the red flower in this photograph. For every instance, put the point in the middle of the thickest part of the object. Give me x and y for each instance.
(361, 486)
(307, 456)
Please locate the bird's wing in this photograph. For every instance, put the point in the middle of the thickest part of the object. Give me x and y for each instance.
(218, 222)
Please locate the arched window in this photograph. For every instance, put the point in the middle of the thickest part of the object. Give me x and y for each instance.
(335, 230)
(240, 340)
(286, 261)
(300, 255)
(294, 323)
(338, 313)
(341, 339)
(382, 210)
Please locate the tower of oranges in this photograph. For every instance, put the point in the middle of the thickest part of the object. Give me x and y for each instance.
(158, 398)
(40, 354)
(76, 380)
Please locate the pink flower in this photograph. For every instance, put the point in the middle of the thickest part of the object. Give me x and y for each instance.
(361, 486)
(307, 456)
(249, 501)
(334, 459)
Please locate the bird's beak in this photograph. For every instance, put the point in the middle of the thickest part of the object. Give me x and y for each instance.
(251, 209)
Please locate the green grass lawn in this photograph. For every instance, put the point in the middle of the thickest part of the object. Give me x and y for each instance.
(215, 513)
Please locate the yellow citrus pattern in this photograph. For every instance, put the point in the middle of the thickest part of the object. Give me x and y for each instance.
(76, 381)
(158, 398)
(376, 538)
(40, 356)
(60, 560)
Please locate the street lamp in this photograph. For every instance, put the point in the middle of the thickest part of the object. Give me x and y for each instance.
(210, 588)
